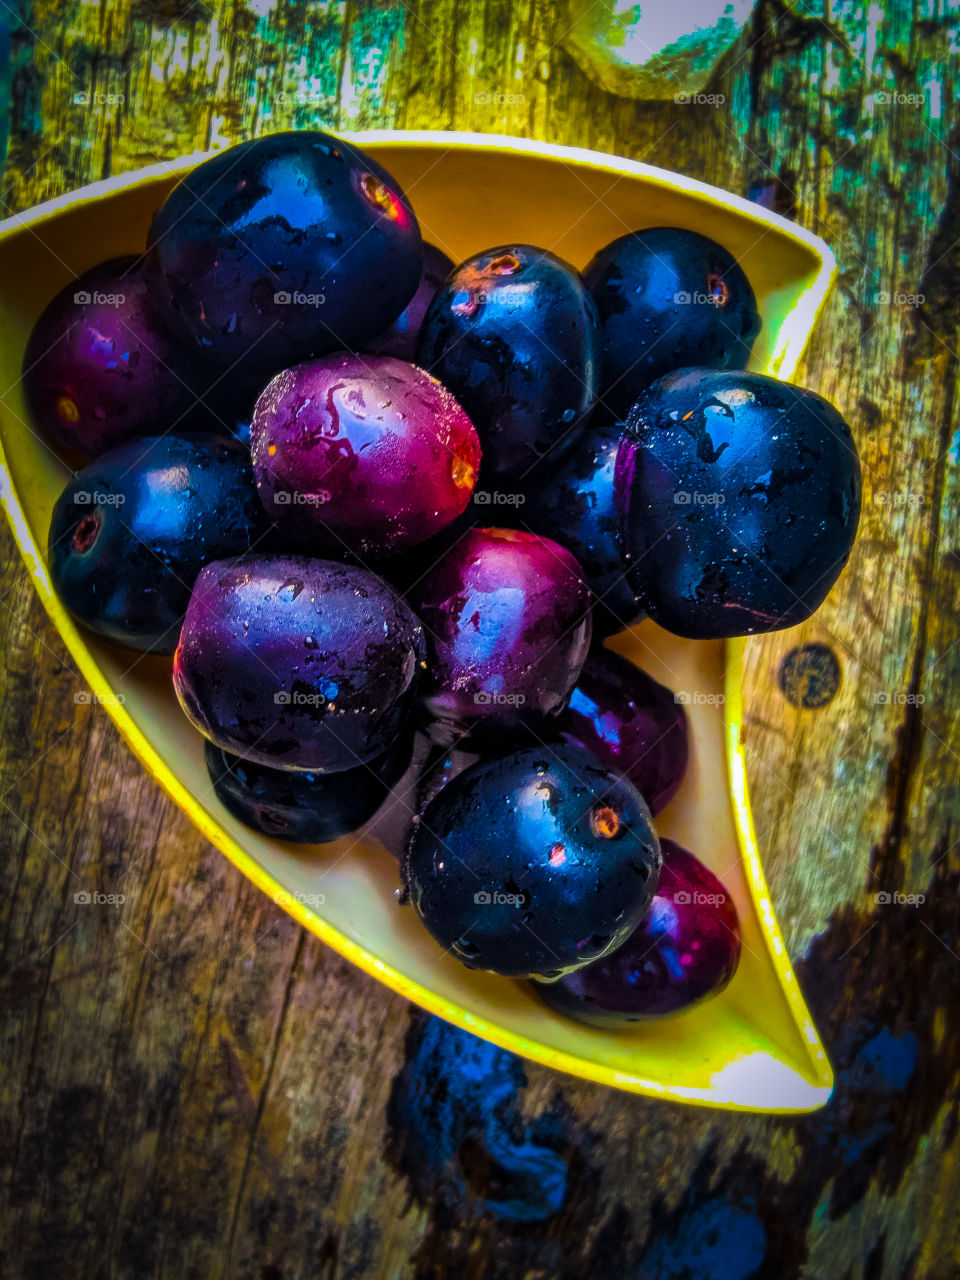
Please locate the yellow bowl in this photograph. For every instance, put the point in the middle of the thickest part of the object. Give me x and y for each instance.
(753, 1048)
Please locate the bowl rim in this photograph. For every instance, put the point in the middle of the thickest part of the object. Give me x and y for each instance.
(799, 321)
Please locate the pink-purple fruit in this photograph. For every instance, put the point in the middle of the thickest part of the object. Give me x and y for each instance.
(364, 453)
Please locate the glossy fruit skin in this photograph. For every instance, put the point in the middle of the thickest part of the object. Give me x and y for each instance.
(507, 617)
(97, 373)
(640, 282)
(514, 335)
(768, 481)
(297, 663)
(300, 214)
(631, 723)
(400, 338)
(685, 951)
(574, 504)
(530, 825)
(305, 808)
(131, 531)
(362, 452)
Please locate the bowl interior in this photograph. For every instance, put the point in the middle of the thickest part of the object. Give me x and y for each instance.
(754, 1046)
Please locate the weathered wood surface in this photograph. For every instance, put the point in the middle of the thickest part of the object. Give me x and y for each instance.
(192, 1087)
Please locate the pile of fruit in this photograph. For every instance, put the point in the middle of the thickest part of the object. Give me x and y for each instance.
(382, 508)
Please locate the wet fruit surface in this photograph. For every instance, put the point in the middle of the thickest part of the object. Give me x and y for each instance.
(533, 863)
(362, 452)
(100, 367)
(130, 533)
(668, 298)
(686, 950)
(297, 663)
(574, 503)
(740, 497)
(631, 723)
(305, 808)
(400, 338)
(285, 247)
(514, 335)
(507, 616)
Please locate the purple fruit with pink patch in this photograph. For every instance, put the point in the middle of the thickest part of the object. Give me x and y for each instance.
(297, 663)
(507, 616)
(686, 951)
(364, 453)
(100, 368)
(631, 723)
(400, 338)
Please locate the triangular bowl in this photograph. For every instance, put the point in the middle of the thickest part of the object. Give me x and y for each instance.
(754, 1048)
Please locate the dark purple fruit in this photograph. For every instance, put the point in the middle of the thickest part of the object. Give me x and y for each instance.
(513, 333)
(533, 863)
(400, 338)
(507, 617)
(740, 497)
(362, 452)
(130, 533)
(100, 367)
(631, 723)
(297, 663)
(685, 951)
(574, 504)
(668, 298)
(306, 808)
(284, 247)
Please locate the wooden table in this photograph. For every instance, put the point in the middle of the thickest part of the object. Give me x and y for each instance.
(193, 1087)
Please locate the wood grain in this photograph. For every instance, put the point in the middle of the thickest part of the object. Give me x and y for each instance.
(195, 1088)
